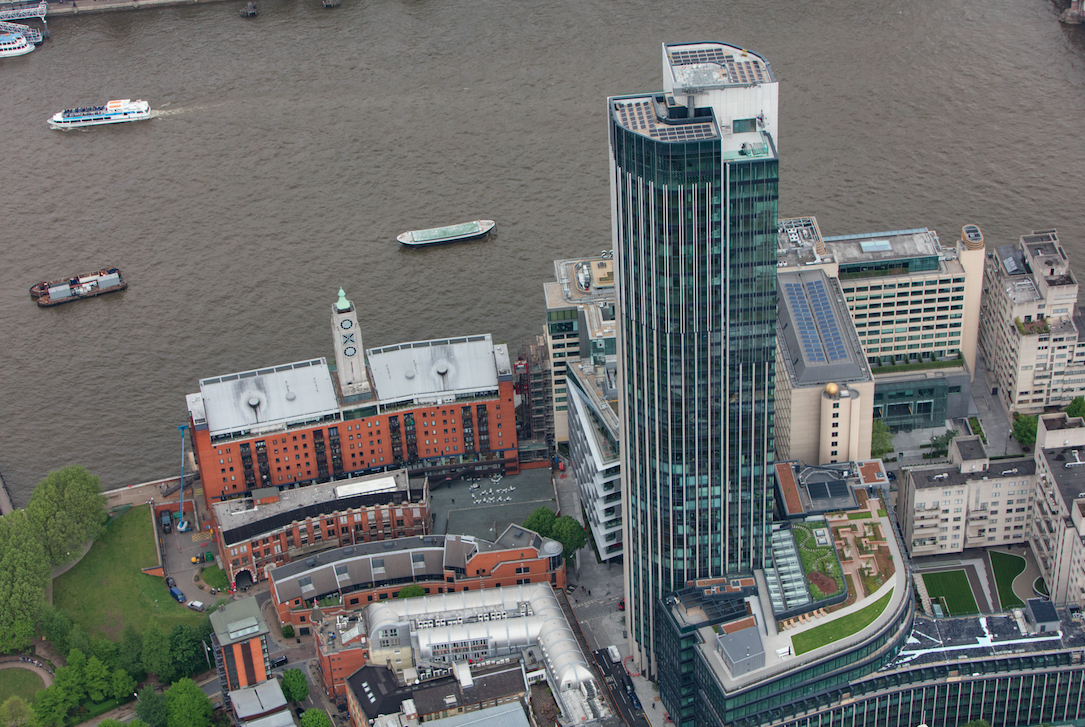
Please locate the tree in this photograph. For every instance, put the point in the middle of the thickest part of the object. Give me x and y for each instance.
(187, 705)
(78, 639)
(412, 591)
(105, 650)
(295, 687)
(24, 576)
(51, 706)
(67, 509)
(70, 678)
(940, 442)
(122, 684)
(55, 626)
(541, 521)
(187, 651)
(315, 718)
(15, 712)
(881, 439)
(151, 707)
(1077, 407)
(130, 654)
(570, 534)
(1024, 430)
(97, 680)
(156, 652)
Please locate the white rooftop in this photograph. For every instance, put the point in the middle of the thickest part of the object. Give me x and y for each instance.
(266, 399)
(431, 371)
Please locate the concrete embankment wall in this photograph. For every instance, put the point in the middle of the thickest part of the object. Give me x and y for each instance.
(80, 7)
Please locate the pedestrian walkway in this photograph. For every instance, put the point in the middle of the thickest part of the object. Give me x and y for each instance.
(19, 662)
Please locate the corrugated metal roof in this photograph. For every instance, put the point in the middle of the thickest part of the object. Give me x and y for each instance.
(431, 370)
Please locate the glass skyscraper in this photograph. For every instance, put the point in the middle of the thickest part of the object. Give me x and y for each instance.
(694, 188)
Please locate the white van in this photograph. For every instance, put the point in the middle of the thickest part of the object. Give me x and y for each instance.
(614, 655)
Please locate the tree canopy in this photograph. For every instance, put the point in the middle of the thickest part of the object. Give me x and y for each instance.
(315, 718)
(570, 534)
(940, 442)
(412, 591)
(51, 706)
(541, 521)
(187, 705)
(1024, 430)
(156, 652)
(67, 509)
(24, 576)
(15, 712)
(881, 439)
(1077, 407)
(295, 687)
(151, 707)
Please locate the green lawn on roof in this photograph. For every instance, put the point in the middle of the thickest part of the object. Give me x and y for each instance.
(106, 591)
(840, 628)
(1006, 567)
(953, 588)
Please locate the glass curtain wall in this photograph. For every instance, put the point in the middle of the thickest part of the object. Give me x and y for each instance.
(696, 294)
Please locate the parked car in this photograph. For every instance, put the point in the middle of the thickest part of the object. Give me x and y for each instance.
(166, 521)
(615, 655)
(278, 661)
(635, 700)
(170, 583)
(177, 595)
(196, 605)
(621, 604)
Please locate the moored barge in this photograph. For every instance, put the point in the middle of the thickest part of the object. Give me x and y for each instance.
(87, 285)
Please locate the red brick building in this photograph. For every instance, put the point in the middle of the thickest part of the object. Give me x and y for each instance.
(348, 579)
(436, 408)
(276, 527)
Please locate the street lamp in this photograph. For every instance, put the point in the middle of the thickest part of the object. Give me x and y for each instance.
(207, 652)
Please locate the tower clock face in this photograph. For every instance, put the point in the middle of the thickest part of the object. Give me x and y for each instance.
(346, 323)
(350, 350)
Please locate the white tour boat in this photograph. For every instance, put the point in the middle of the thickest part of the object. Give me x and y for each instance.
(14, 44)
(114, 112)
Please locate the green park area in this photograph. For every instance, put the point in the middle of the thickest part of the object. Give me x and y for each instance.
(19, 682)
(1006, 567)
(952, 589)
(840, 628)
(818, 559)
(106, 591)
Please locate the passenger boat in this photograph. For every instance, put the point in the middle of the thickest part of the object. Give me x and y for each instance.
(14, 44)
(249, 11)
(113, 112)
(87, 285)
(452, 233)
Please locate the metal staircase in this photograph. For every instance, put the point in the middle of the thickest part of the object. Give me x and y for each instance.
(21, 10)
(31, 34)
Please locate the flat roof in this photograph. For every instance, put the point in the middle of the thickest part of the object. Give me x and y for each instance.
(934, 476)
(696, 67)
(815, 332)
(1070, 479)
(238, 621)
(503, 715)
(266, 399)
(425, 370)
(970, 448)
(888, 245)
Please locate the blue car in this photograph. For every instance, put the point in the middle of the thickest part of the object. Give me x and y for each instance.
(636, 702)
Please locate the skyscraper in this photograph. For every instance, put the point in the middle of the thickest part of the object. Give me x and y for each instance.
(694, 188)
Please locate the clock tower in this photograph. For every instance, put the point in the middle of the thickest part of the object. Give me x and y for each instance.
(349, 359)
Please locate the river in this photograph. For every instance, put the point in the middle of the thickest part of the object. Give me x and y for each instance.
(289, 150)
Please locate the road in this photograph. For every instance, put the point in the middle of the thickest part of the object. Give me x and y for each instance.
(616, 681)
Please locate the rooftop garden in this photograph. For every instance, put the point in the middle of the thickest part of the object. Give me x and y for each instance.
(819, 562)
(918, 365)
(1032, 328)
(840, 628)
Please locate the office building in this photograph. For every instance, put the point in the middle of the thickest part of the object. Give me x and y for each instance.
(440, 407)
(277, 527)
(1031, 325)
(239, 642)
(824, 388)
(580, 324)
(915, 307)
(745, 649)
(970, 503)
(694, 188)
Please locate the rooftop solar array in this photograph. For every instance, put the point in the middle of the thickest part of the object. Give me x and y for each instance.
(822, 490)
(745, 71)
(830, 331)
(638, 115)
